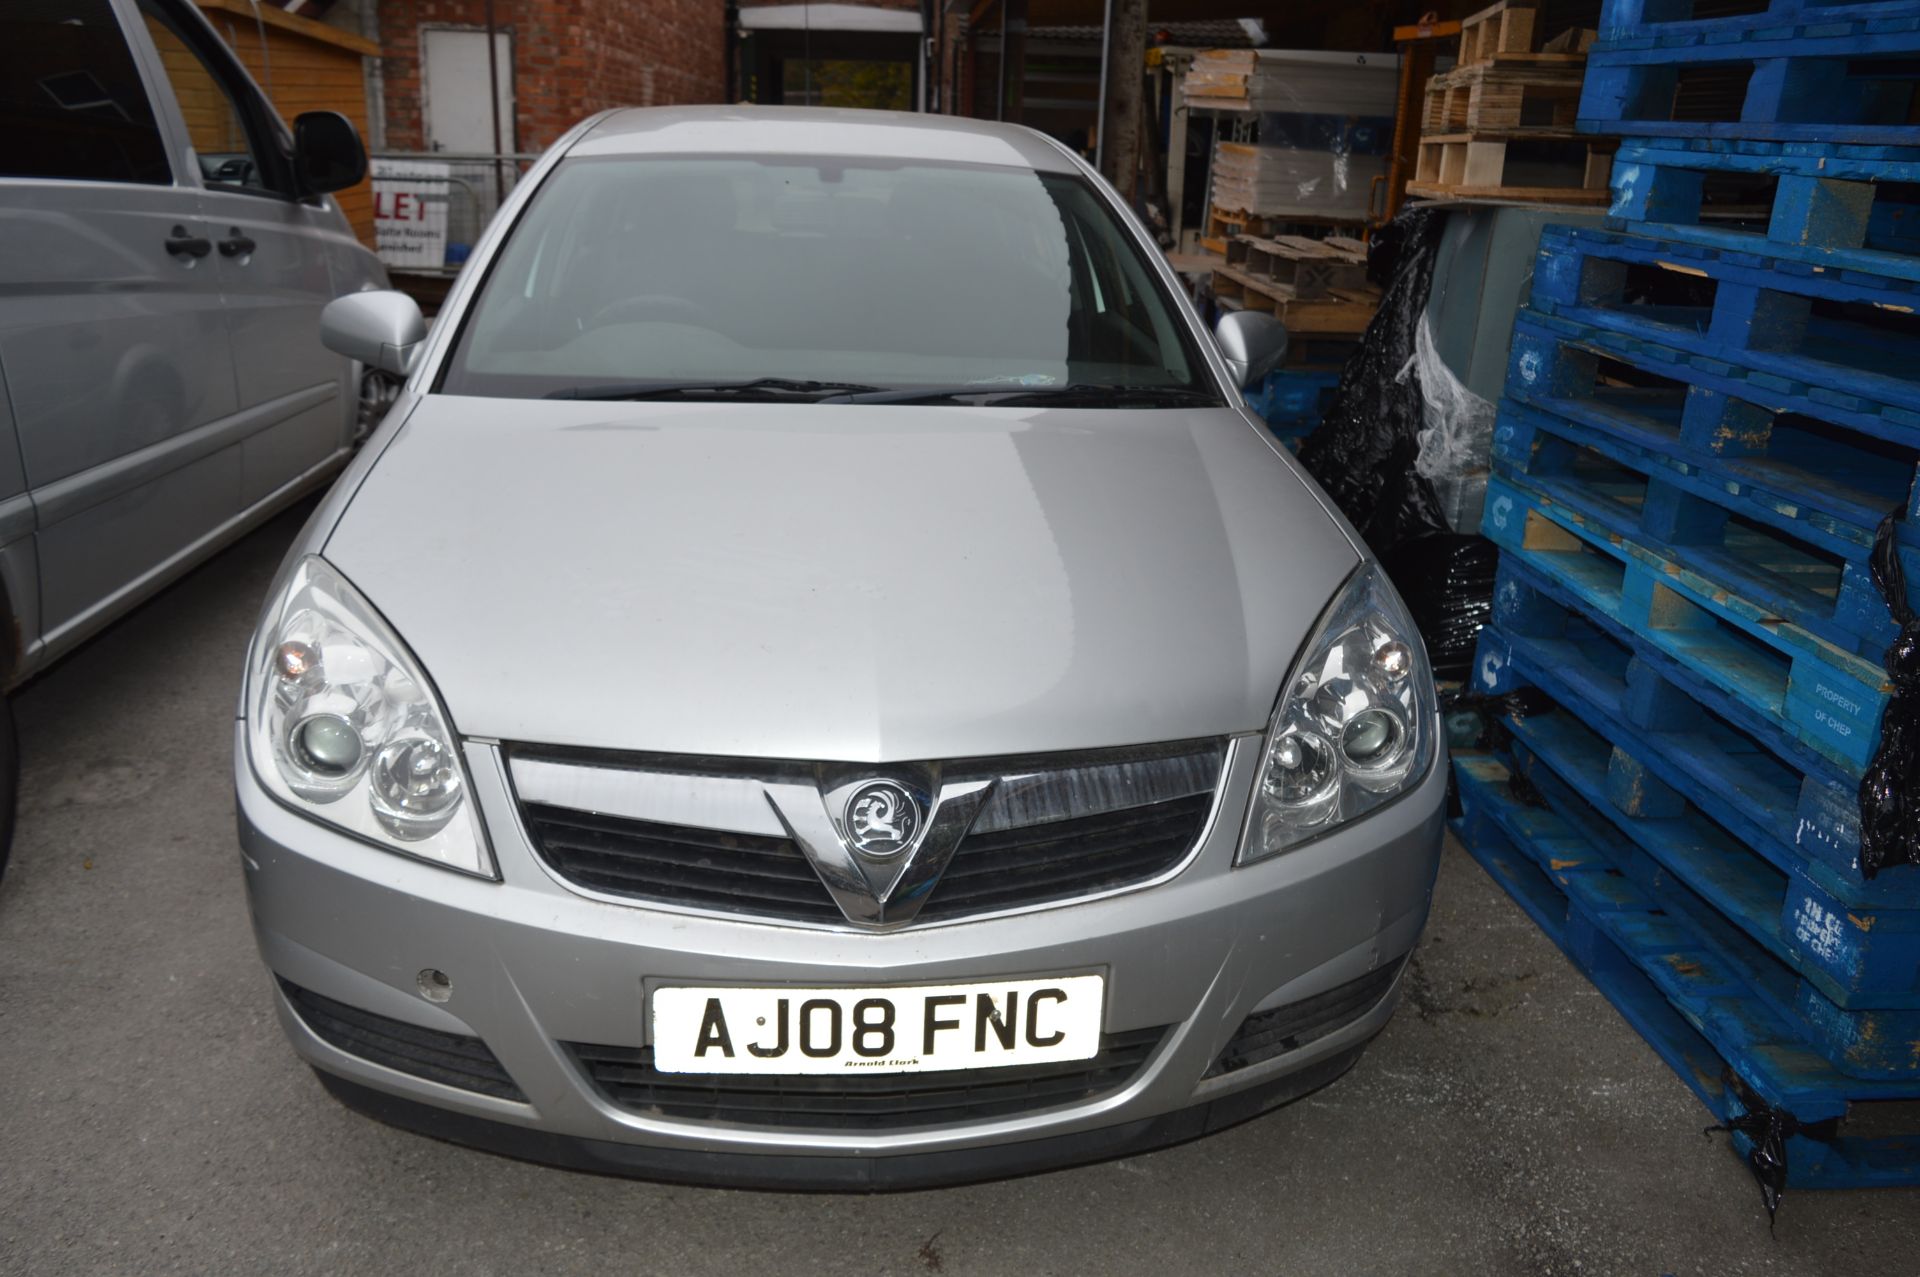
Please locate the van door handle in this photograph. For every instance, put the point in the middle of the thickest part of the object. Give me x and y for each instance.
(181, 244)
(236, 244)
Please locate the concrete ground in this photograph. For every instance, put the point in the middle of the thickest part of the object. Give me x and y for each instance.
(152, 1120)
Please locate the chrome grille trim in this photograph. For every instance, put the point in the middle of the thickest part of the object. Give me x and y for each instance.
(731, 796)
(1038, 797)
(734, 804)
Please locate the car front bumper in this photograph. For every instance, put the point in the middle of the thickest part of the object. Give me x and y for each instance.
(533, 965)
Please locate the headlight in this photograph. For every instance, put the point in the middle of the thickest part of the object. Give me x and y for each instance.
(1354, 728)
(343, 726)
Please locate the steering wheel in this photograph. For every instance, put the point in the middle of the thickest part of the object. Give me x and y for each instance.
(651, 306)
(236, 170)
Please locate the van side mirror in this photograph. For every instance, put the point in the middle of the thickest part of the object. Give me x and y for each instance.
(1252, 343)
(327, 154)
(382, 330)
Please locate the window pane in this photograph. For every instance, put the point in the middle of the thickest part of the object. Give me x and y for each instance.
(893, 275)
(228, 155)
(71, 102)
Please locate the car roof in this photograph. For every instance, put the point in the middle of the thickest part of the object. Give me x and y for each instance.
(791, 130)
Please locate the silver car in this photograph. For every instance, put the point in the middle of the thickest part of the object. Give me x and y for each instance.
(819, 682)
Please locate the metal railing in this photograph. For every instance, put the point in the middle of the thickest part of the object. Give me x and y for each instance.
(470, 186)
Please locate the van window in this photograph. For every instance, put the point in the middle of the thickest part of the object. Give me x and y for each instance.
(230, 152)
(71, 103)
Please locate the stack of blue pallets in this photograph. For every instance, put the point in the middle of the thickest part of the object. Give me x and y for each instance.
(1705, 422)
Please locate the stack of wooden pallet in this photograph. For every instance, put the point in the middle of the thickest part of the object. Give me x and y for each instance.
(1500, 124)
(1314, 286)
(1705, 425)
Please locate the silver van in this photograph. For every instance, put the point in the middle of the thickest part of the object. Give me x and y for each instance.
(166, 246)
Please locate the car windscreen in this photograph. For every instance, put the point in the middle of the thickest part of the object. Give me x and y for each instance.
(722, 271)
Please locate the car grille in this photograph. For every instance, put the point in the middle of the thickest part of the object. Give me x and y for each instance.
(1118, 819)
(451, 1059)
(1267, 1034)
(1064, 859)
(863, 1101)
(677, 864)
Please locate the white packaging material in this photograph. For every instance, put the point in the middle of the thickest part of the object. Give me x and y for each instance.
(1272, 181)
(1294, 80)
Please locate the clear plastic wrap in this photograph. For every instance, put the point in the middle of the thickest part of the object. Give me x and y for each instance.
(1457, 439)
(1278, 181)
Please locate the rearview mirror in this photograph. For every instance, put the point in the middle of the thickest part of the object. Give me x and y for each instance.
(327, 154)
(1252, 343)
(382, 330)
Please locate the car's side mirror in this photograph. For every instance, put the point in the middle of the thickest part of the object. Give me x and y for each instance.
(1252, 343)
(327, 154)
(382, 330)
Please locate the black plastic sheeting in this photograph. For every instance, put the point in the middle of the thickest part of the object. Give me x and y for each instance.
(1889, 803)
(1769, 1129)
(1446, 581)
(1364, 450)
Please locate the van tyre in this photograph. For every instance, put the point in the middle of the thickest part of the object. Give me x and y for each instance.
(9, 777)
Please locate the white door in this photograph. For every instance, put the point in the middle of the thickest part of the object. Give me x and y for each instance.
(456, 91)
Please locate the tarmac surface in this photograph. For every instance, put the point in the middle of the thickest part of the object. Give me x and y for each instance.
(152, 1120)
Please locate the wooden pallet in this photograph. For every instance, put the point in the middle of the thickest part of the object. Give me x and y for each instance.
(1341, 311)
(1504, 95)
(1507, 27)
(1835, 74)
(1224, 225)
(1555, 167)
(1310, 267)
(1699, 997)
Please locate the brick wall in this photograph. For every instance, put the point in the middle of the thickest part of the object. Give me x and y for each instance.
(571, 58)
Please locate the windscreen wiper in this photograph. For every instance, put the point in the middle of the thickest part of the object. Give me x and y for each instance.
(774, 387)
(1078, 395)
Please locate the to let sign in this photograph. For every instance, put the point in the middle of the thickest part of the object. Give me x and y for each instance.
(410, 212)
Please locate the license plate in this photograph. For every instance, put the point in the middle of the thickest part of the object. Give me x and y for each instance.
(883, 1030)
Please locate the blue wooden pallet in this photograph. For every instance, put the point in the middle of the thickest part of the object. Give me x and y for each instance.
(1646, 22)
(1696, 1014)
(1858, 958)
(1829, 161)
(1730, 897)
(1554, 355)
(1791, 807)
(1825, 209)
(1680, 511)
(1820, 73)
(1829, 699)
(1819, 486)
(1585, 266)
(1762, 309)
